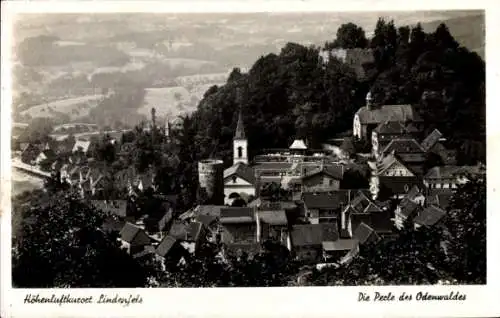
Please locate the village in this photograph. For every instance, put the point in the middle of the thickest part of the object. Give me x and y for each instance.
(297, 197)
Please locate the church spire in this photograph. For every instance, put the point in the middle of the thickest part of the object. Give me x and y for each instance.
(240, 129)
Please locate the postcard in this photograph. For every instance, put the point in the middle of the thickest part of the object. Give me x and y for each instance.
(267, 158)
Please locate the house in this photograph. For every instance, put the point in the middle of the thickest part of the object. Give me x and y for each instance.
(432, 145)
(326, 178)
(269, 172)
(239, 225)
(429, 216)
(239, 181)
(409, 152)
(81, 146)
(133, 238)
(341, 250)
(391, 177)
(448, 177)
(325, 206)
(306, 240)
(157, 223)
(363, 209)
(189, 235)
(368, 117)
(389, 130)
(397, 187)
(273, 225)
(170, 251)
(391, 165)
(406, 210)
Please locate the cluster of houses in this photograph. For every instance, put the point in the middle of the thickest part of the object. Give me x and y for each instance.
(312, 215)
(295, 197)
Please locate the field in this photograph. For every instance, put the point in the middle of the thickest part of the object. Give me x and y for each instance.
(72, 107)
(469, 31)
(168, 101)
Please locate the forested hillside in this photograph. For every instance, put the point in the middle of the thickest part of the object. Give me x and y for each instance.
(295, 94)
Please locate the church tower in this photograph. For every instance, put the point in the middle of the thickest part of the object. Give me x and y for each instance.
(240, 144)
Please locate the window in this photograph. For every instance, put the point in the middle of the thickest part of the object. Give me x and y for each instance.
(331, 182)
(234, 179)
(240, 152)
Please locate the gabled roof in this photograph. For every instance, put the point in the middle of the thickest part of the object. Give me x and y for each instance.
(313, 234)
(429, 216)
(206, 220)
(273, 217)
(340, 245)
(280, 166)
(165, 245)
(377, 115)
(334, 171)
(236, 212)
(399, 185)
(133, 234)
(324, 200)
(400, 145)
(178, 230)
(431, 140)
(193, 231)
(360, 202)
(409, 207)
(83, 144)
(391, 127)
(298, 144)
(364, 233)
(371, 208)
(241, 170)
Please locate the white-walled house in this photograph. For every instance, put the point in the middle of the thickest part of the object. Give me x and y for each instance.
(239, 180)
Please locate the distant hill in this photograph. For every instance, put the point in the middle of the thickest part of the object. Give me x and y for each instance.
(468, 30)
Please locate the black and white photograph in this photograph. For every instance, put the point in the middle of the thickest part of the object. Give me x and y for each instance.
(248, 149)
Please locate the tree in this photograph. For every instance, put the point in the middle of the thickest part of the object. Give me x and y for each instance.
(239, 202)
(348, 146)
(466, 232)
(61, 243)
(349, 36)
(414, 257)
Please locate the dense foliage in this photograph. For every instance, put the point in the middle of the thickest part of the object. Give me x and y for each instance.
(60, 243)
(452, 253)
(295, 94)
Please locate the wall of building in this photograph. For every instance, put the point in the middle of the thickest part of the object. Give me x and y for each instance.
(240, 233)
(397, 169)
(320, 182)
